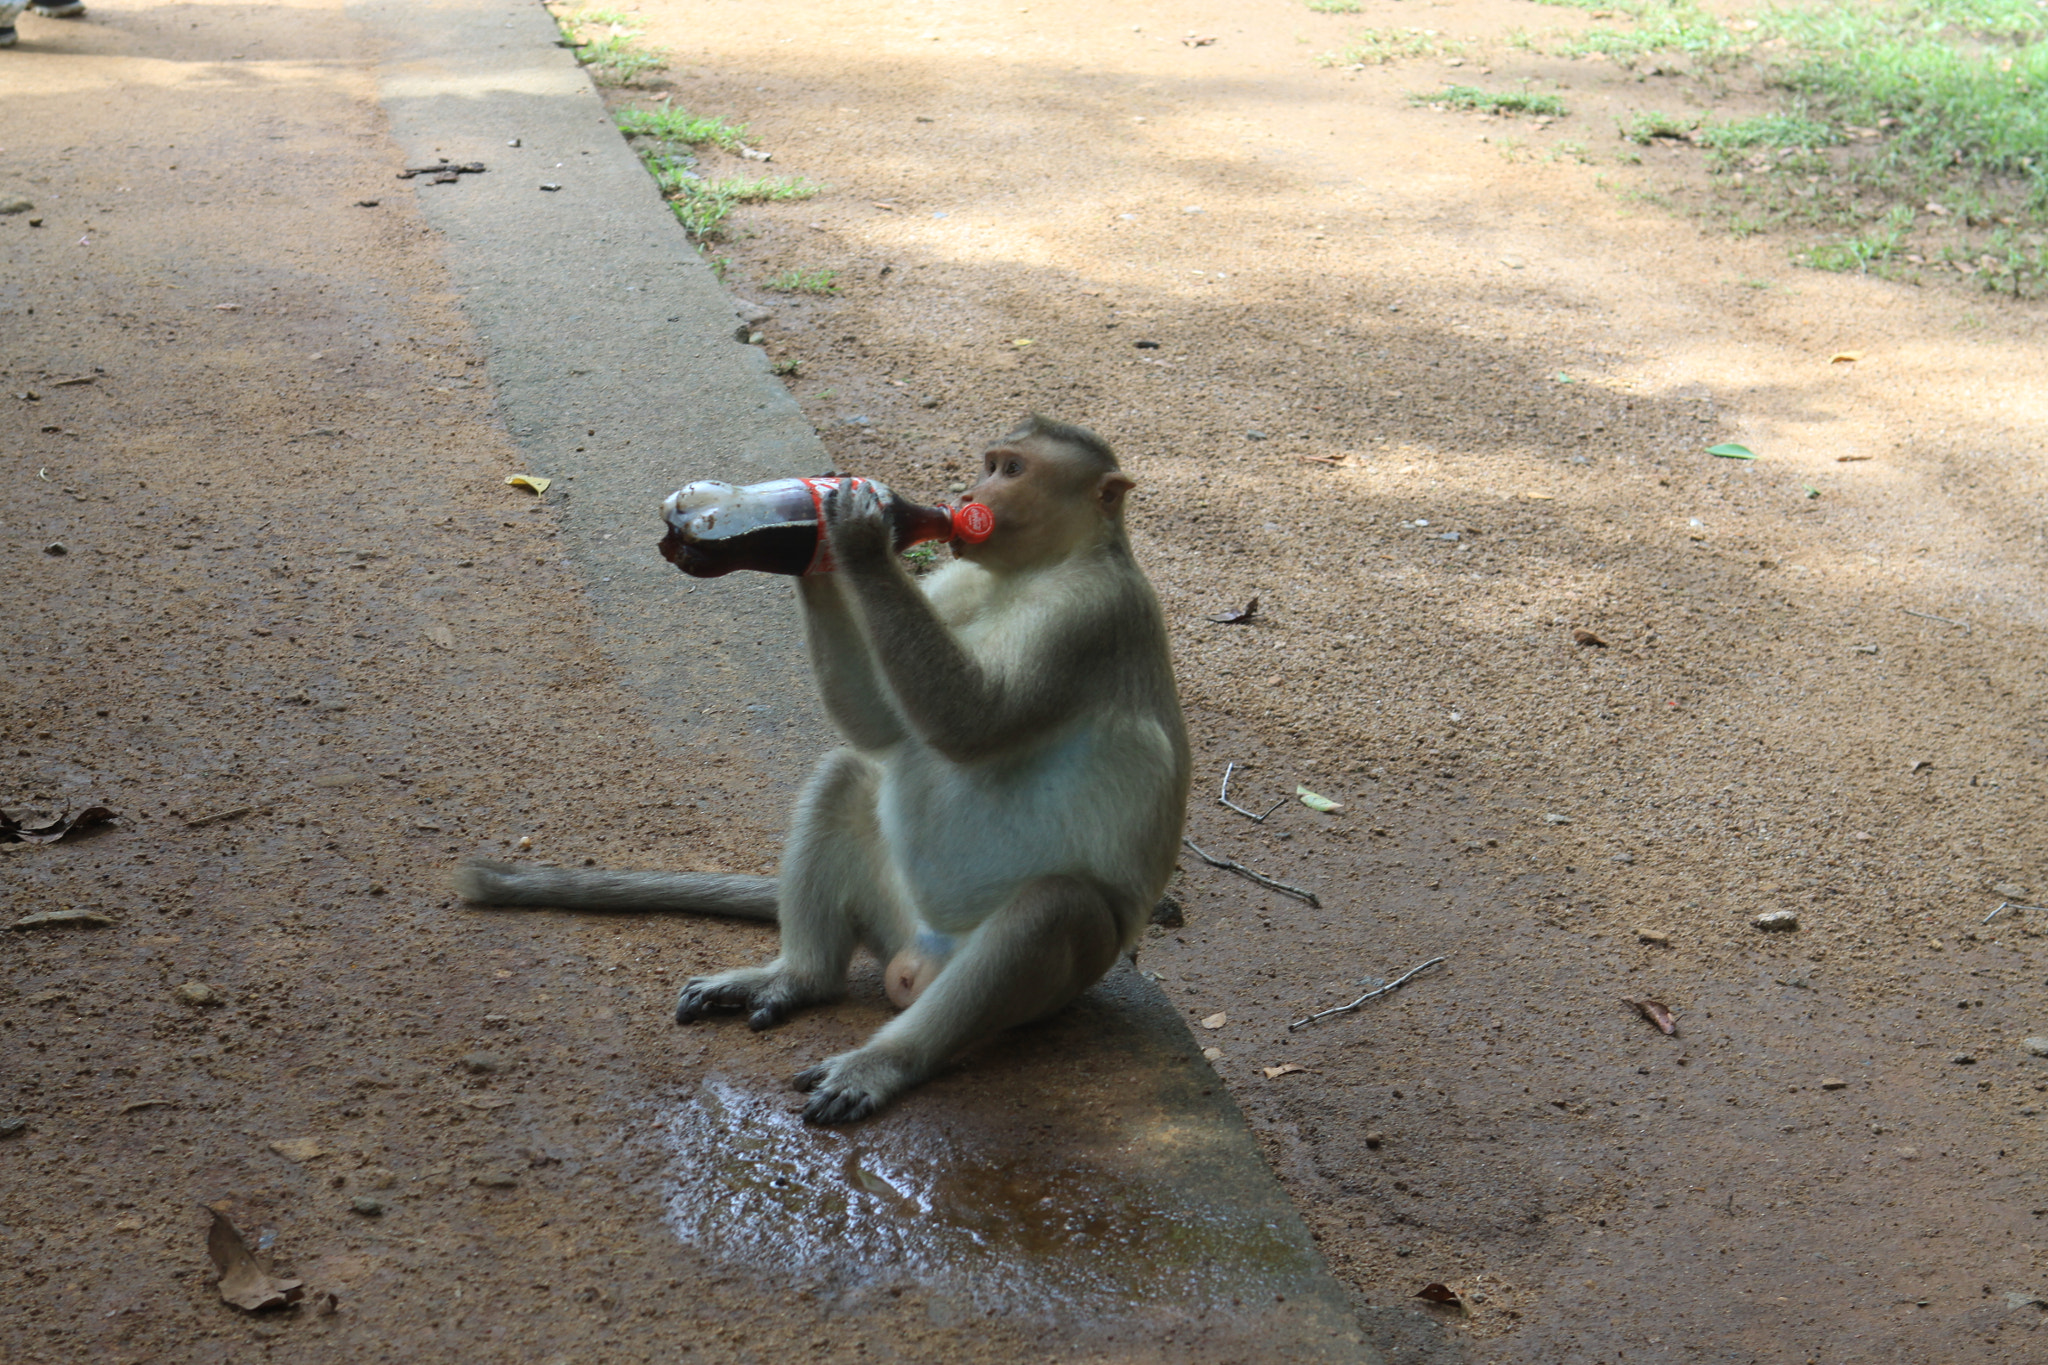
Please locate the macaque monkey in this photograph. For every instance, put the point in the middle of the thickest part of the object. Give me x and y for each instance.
(1008, 802)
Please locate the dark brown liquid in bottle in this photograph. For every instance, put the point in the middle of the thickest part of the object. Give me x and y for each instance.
(774, 527)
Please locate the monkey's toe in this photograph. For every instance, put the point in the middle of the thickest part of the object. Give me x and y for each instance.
(832, 1105)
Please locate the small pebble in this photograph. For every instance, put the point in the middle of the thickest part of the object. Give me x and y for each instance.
(2012, 891)
(1553, 818)
(1373, 1138)
(14, 205)
(1656, 936)
(1833, 1083)
(1964, 1059)
(1777, 921)
(197, 993)
(1255, 435)
(10, 1127)
(481, 1062)
(56, 547)
(2038, 1046)
(1625, 859)
(366, 1206)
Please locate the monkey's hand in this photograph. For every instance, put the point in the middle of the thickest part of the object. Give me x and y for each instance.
(857, 525)
(853, 1085)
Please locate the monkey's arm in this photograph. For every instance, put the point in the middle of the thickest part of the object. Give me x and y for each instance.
(854, 694)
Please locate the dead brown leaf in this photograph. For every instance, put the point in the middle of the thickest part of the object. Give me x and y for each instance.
(1237, 618)
(1443, 1293)
(66, 918)
(246, 1278)
(30, 825)
(1655, 1011)
(1589, 639)
(1284, 1069)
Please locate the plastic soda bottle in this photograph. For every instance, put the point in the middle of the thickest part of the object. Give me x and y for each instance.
(778, 527)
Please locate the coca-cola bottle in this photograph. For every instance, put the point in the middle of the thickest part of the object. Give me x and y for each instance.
(778, 527)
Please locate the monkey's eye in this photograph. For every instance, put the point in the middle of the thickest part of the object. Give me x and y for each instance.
(1013, 468)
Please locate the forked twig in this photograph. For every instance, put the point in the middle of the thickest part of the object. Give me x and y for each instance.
(2004, 906)
(1261, 878)
(1400, 980)
(1224, 798)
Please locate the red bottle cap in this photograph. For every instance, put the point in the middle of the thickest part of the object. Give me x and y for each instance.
(974, 523)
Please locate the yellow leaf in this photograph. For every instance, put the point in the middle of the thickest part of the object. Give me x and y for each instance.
(1541, 497)
(1314, 802)
(530, 481)
(1284, 1069)
(1023, 341)
(1216, 1020)
(1845, 357)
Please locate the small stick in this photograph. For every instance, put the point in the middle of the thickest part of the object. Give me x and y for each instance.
(1400, 980)
(1241, 870)
(1225, 798)
(1928, 616)
(2004, 906)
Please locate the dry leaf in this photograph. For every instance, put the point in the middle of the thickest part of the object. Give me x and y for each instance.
(1315, 802)
(1589, 639)
(63, 919)
(1541, 497)
(1284, 1069)
(1845, 357)
(1237, 618)
(134, 1105)
(1216, 1020)
(31, 825)
(1439, 1293)
(1851, 459)
(1654, 1011)
(246, 1279)
(532, 482)
(298, 1149)
(1192, 41)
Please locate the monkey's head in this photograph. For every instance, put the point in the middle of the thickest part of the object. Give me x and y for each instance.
(1054, 488)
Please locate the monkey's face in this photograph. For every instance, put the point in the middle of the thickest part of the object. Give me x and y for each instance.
(1048, 501)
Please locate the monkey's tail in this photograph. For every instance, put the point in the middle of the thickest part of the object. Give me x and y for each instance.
(483, 881)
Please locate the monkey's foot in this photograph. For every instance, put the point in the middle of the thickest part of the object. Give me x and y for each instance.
(853, 1085)
(767, 995)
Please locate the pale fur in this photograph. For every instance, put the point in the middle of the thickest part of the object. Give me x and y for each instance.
(1013, 785)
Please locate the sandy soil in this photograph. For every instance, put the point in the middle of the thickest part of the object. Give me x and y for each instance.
(293, 581)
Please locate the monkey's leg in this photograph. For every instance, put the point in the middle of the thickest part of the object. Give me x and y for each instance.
(1053, 940)
(831, 898)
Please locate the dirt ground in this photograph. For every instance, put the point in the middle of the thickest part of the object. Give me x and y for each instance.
(1435, 388)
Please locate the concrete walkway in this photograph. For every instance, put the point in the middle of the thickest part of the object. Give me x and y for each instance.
(599, 317)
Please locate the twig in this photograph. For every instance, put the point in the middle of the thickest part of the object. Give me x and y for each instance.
(2004, 906)
(1400, 980)
(1929, 616)
(1224, 798)
(219, 816)
(1241, 870)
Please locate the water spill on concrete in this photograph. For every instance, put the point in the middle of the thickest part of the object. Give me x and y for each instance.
(981, 1214)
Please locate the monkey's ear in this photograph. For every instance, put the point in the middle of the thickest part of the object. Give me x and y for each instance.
(1111, 490)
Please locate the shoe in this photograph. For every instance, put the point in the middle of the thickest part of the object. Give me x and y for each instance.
(59, 9)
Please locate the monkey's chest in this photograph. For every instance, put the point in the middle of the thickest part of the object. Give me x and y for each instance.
(963, 838)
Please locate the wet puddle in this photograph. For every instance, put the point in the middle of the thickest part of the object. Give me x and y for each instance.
(1136, 1216)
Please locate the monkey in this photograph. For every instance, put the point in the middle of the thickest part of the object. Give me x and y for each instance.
(1008, 798)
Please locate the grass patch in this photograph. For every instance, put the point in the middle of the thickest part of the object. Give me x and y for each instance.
(1859, 254)
(1335, 6)
(1769, 130)
(1378, 46)
(1656, 26)
(1647, 126)
(702, 206)
(682, 128)
(1493, 101)
(606, 41)
(805, 282)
